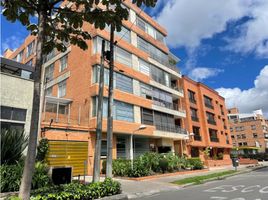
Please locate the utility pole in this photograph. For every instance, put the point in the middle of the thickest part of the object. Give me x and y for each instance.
(109, 161)
(97, 154)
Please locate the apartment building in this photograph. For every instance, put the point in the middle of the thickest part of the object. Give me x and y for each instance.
(249, 131)
(16, 95)
(148, 93)
(206, 120)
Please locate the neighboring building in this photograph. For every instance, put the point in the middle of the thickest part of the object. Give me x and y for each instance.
(249, 131)
(148, 92)
(206, 121)
(16, 95)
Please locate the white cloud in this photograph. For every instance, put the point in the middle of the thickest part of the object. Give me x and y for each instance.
(251, 99)
(11, 42)
(201, 73)
(253, 35)
(190, 21)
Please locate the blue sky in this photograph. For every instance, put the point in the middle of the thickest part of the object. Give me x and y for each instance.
(223, 44)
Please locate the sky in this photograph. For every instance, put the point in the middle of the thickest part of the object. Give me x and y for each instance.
(222, 43)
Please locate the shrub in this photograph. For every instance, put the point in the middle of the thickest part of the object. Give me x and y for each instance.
(42, 149)
(13, 143)
(11, 176)
(121, 167)
(139, 168)
(78, 191)
(195, 163)
(151, 160)
(163, 164)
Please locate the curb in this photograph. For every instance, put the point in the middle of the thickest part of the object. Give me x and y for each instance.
(115, 197)
(224, 177)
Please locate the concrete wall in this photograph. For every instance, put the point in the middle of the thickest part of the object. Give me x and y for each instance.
(17, 92)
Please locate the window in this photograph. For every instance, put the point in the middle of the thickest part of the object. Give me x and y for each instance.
(63, 62)
(243, 136)
(208, 102)
(147, 116)
(30, 49)
(103, 147)
(124, 34)
(213, 135)
(194, 115)
(210, 118)
(160, 76)
(49, 72)
(121, 81)
(231, 129)
(19, 56)
(245, 144)
(146, 91)
(253, 127)
(232, 136)
(30, 62)
(149, 29)
(162, 98)
(52, 107)
(191, 96)
(49, 91)
(50, 55)
(196, 131)
(144, 67)
(121, 111)
(26, 74)
(62, 89)
(11, 113)
(238, 136)
(221, 108)
(255, 135)
(154, 52)
(164, 122)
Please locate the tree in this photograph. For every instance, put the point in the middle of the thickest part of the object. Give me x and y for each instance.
(58, 22)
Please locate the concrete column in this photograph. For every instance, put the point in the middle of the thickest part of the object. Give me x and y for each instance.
(131, 150)
(134, 38)
(128, 148)
(137, 114)
(135, 62)
(132, 16)
(136, 87)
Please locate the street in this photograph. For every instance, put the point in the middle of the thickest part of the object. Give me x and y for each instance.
(249, 186)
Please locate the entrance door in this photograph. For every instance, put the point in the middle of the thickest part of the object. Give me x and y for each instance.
(68, 153)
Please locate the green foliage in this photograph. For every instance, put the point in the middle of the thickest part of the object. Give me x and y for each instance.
(78, 191)
(257, 156)
(195, 163)
(13, 143)
(64, 24)
(163, 164)
(42, 149)
(151, 160)
(139, 168)
(11, 176)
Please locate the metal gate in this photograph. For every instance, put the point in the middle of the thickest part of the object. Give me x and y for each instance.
(68, 153)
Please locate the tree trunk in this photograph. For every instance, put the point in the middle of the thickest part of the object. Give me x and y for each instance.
(97, 154)
(110, 108)
(25, 186)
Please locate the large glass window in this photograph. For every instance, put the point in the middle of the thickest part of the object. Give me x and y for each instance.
(11, 113)
(147, 116)
(160, 76)
(146, 91)
(63, 62)
(52, 107)
(208, 102)
(144, 67)
(211, 118)
(194, 115)
(121, 111)
(30, 49)
(191, 96)
(19, 56)
(154, 52)
(49, 72)
(62, 89)
(121, 81)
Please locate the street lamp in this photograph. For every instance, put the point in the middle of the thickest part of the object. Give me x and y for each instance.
(142, 127)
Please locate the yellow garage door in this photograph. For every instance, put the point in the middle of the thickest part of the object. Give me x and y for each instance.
(68, 153)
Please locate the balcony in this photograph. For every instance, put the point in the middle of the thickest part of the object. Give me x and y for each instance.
(195, 118)
(197, 138)
(173, 129)
(208, 105)
(214, 139)
(266, 136)
(213, 122)
(177, 88)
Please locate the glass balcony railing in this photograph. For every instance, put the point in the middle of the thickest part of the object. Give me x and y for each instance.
(171, 128)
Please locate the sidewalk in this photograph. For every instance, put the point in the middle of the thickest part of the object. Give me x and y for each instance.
(136, 189)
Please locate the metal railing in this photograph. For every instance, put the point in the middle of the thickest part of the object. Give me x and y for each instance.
(197, 138)
(213, 122)
(194, 118)
(173, 129)
(214, 139)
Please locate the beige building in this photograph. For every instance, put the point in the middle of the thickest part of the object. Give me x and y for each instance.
(16, 95)
(249, 131)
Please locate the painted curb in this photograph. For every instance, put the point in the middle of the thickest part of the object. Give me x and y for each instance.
(115, 197)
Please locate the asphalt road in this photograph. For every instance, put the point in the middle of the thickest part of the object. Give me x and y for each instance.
(249, 186)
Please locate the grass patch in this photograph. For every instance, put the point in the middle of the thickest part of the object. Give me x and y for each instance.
(200, 179)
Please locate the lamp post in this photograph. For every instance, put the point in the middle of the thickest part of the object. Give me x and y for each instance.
(142, 127)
